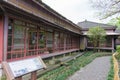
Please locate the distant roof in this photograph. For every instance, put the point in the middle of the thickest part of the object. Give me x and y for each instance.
(117, 30)
(88, 24)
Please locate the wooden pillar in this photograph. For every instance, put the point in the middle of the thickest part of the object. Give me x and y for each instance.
(25, 41)
(113, 44)
(53, 58)
(19, 78)
(79, 42)
(59, 42)
(64, 42)
(63, 55)
(86, 42)
(45, 39)
(34, 75)
(53, 41)
(5, 36)
(1, 37)
(37, 40)
(1, 42)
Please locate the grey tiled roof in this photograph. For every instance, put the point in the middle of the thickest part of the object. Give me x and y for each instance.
(88, 24)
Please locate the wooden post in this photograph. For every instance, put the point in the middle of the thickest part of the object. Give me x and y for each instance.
(70, 53)
(53, 58)
(113, 44)
(7, 71)
(37, 40)
(19, 78)
(63, 55)
(5, 36)
(64, 42)
(53, 41)
(34, 75)
(86, 42)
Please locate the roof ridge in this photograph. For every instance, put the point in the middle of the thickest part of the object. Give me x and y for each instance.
(95, 22)
(88, 24)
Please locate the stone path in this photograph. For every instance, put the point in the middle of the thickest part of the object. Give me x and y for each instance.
(96, 70)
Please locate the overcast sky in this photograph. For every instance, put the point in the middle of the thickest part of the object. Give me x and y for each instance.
(74, 10)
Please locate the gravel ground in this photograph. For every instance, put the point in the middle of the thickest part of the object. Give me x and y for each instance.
(96, 70)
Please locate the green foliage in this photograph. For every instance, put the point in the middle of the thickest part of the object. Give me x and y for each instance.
(111, 71)
(115, 22)
(118, 52)
(106, 8)
(118, 49)
(96, 35)
(3, 78)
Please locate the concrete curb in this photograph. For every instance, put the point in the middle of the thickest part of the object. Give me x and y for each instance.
(116, 67)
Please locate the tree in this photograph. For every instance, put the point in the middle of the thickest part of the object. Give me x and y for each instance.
(115, 22)
(96, 35)
(106, 8)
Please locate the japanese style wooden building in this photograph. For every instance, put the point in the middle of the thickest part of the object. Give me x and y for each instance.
(111, 36)
(29, 28)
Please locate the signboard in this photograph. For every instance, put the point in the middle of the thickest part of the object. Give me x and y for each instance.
(22, 67)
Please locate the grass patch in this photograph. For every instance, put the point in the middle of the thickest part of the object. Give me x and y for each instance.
(111, 71)
(3, 78)
(63, 72)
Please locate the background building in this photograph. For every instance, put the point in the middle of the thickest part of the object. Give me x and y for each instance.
(111, 36)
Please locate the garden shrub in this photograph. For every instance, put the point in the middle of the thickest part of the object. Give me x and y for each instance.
(118, 49)
(118, 53)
